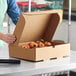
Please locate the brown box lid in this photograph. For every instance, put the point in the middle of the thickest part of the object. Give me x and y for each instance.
(37, 25)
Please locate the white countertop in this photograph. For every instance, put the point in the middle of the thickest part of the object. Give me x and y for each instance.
(27, 68)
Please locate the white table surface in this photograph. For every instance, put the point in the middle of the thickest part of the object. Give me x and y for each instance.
(27, 68)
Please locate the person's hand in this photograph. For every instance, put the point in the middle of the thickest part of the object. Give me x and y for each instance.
(8, 38)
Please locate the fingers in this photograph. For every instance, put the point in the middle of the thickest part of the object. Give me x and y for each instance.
(11, 35)
(9, 38)
(9, 41)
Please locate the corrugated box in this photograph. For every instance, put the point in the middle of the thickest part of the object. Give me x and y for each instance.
(34, 26)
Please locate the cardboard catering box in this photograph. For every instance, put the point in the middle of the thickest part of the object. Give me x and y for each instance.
(35, 26)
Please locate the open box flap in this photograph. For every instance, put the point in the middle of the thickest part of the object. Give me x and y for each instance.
(37, 25)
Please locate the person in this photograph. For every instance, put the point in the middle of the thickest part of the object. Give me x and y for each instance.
(11, 8)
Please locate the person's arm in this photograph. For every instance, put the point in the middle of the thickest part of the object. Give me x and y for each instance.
(14, 13)
(8, 38)
(13, 10)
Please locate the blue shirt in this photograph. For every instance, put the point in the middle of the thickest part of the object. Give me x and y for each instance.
(13, 10)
